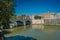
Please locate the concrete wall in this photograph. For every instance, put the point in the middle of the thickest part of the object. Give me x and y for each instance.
(36, 21)
(48, 18)
(41, 21)
(51, 21)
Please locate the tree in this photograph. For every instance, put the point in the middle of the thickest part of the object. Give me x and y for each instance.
(22, 16)
(37, 17)
(13, 17)
(6, 11)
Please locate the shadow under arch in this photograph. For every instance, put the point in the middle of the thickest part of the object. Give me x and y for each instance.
(28, 22)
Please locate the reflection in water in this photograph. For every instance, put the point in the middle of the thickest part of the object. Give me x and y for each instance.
(39, 32)
(47, 29)
(38, 27)
(27, 27)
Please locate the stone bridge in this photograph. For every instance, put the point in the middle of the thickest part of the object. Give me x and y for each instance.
(23, 22)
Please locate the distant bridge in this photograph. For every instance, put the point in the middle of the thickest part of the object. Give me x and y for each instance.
(23, 22)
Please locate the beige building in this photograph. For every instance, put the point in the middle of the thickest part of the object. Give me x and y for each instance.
(44, 18)
(36, 21)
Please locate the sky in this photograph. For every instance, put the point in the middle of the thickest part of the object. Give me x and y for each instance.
(34, 7)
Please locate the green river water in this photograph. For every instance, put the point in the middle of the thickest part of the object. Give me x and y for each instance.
(39, 32)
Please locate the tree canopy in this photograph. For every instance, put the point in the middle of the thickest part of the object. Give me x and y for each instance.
(37, 17)
(22, 16)
(6, 10)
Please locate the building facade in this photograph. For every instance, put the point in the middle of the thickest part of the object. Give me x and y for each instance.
(46, 18)
(36, 20)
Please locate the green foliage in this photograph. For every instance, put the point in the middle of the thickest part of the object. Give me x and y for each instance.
(13, 17)
(37, 17)
(6, 10)
(22, 16)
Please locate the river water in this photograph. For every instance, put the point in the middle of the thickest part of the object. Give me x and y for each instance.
(38, 32)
